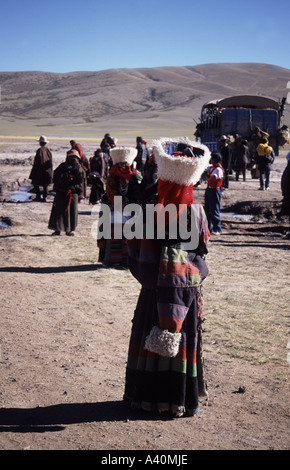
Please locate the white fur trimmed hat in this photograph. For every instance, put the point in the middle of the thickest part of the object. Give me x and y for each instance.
(123, 154)
(180, 169)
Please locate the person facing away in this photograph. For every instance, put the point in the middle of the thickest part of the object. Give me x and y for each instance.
(226, 154)
(214, 177)
(264, 156)
(163, 370)
(107, 144)
(241, 159)
(122, 183)
(149, 184)
(85, 164)
(68, 180)
(96, 177)
(42, 169)
(285, 188)
(142, 154)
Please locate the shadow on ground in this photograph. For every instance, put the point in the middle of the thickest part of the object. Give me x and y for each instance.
(55, 417)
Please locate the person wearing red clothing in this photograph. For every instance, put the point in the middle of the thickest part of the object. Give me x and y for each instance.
(214, 177)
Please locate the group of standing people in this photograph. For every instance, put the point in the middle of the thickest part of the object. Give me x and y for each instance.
(71, 178)
(217, 177)
(238, 159)
(233, 160)
(143, 168)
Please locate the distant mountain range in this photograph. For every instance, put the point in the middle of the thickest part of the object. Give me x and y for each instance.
(121, 100)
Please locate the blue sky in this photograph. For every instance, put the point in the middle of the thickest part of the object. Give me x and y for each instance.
(71, 35)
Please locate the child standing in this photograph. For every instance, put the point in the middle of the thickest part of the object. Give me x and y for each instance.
(214, 177)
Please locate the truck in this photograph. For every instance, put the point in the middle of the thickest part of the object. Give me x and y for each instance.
(248, 117)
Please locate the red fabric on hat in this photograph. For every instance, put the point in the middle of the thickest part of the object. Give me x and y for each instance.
(173, 193)
(124, 173)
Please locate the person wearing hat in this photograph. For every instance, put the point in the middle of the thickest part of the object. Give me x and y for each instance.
(41, 172)
(226, 154)
(67, 179)
(164, 370)
(124, 182)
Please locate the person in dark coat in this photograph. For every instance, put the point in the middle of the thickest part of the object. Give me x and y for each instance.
(149, 184)
(107, 144)
(68, 179)
(226, 154)
(285, 187)
(84, 162)
(142, 154)
(96, 178)
(265, 157)
(41, 172)
(241, 159)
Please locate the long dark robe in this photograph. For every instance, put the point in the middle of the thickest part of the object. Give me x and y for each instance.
(96, 179)
(41, 172)
(64, 213)
(85, 164)
(285, 187)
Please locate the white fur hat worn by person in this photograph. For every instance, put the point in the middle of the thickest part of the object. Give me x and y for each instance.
(180, 169)
(123, 154)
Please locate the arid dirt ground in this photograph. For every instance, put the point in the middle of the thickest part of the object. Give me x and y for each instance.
(65, 326)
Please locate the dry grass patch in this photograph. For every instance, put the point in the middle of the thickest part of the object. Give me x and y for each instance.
(247, 308)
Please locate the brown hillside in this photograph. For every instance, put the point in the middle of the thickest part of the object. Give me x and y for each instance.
(122, 100)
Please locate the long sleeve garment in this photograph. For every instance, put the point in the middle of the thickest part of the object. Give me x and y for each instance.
(174, 272)
(169, 300)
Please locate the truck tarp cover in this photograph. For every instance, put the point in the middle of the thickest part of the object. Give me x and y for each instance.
(248, 101)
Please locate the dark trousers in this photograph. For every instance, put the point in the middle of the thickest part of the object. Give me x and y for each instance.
(97, 191)
(226, 179)
(241, 168)
(212, 208)
(38, 192)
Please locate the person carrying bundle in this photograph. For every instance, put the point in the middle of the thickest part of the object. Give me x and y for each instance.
(265, 157)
